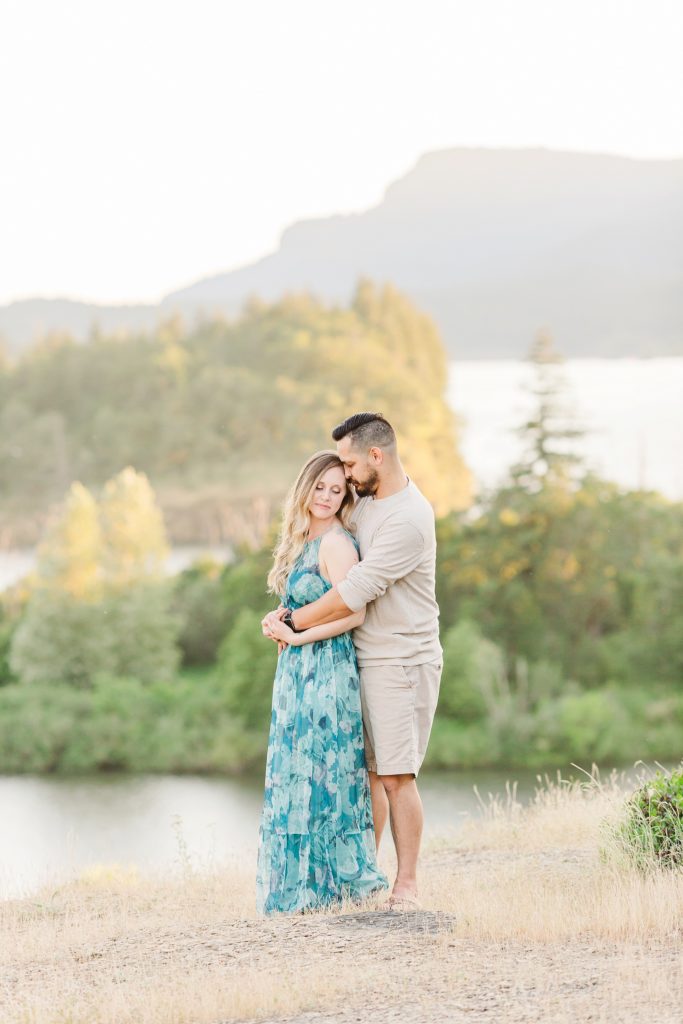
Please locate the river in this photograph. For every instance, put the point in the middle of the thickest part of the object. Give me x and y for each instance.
(55, 827)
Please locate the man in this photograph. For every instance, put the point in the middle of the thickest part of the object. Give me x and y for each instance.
(398, 647)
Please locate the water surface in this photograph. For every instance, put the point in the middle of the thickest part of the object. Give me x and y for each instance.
(55, 827)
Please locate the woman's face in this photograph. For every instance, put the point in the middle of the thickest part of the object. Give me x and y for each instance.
(328, 494)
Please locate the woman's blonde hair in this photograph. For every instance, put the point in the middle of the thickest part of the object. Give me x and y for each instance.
(295, 517)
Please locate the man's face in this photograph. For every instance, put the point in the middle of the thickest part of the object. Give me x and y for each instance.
(358, 469)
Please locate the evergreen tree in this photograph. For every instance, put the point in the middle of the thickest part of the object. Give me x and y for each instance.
(550, 432)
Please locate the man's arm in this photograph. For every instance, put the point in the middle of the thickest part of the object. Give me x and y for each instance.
(395, 551)
(337, 555)
(327, 608)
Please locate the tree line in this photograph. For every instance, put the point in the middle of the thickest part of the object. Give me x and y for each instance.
(560, 599)
(220, 415)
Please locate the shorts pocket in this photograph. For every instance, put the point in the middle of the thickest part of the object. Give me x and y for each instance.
(410, 676)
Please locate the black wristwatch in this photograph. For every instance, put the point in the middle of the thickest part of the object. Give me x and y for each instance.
(287, 619)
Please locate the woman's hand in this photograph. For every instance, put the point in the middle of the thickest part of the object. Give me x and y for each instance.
(267, 631)
(270, 618)
(283, 633)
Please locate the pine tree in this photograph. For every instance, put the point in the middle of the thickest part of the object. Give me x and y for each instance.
(549, 433)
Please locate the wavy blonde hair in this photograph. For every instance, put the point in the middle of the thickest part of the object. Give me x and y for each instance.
(295, 517)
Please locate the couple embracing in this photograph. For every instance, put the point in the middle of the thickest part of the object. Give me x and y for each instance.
(357, 679)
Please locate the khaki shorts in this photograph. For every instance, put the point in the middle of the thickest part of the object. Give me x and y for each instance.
(398, 710)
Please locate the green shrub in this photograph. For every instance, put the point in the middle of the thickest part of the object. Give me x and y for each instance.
(6, 632)
(590, 726)
(124, 725)
(36, 724)
(63, 640)
(652, 830)
(544, 680)
(453, 745)
(246, 668)
(198, 602)
(144, 632)
(243, 584)
(115, 729)
(473, 673)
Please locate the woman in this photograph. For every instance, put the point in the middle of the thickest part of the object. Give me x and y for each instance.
(316, 840)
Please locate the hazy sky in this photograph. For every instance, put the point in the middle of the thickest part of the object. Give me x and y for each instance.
(147, 143)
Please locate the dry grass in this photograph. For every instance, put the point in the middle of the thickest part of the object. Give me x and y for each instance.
(552, 871)
(546, 928)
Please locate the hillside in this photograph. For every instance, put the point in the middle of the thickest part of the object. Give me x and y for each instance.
(222, 415)
(492, 243)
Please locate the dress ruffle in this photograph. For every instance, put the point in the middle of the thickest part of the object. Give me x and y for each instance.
(311, 870)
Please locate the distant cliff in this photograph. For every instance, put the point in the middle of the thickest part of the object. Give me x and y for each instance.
(492, 243)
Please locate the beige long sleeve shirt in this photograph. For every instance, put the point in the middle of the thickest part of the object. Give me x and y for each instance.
(395, 580)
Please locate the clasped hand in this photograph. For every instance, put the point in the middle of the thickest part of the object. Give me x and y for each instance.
(275, 629)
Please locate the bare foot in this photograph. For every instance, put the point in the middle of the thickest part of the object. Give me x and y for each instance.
(403, 904)
(400, 892)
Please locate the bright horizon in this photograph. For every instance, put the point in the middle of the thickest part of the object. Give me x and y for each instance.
(146, 149)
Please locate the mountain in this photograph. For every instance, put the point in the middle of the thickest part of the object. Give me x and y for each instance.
(493, 243)
(28, 320)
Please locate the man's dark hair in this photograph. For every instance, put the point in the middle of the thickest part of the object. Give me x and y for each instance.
(366, 430)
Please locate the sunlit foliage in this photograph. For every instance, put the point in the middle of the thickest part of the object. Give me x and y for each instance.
(220, 413)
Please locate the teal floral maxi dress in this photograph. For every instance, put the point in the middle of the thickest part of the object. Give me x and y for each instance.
(316, 839)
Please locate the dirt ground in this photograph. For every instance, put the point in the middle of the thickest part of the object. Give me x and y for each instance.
(519, 927)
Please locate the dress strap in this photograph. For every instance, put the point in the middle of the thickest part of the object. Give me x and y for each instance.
(342, 529)
(335, 529)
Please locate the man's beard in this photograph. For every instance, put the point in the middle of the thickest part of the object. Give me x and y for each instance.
(369, 486)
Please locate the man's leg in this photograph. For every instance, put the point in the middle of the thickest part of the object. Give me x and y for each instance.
(380, 806)
(407, 821)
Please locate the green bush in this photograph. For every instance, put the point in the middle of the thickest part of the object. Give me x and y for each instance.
(246, 668)
(452, 745)
(124, 725)
(36, 724)
(543, 680)
(589, 726)
(243, 584)
(63, 640)
(652, 830)
(6, 632)
(144, 633)
(473, 673)
(113, 732)
(203, 616)
(60, 640)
